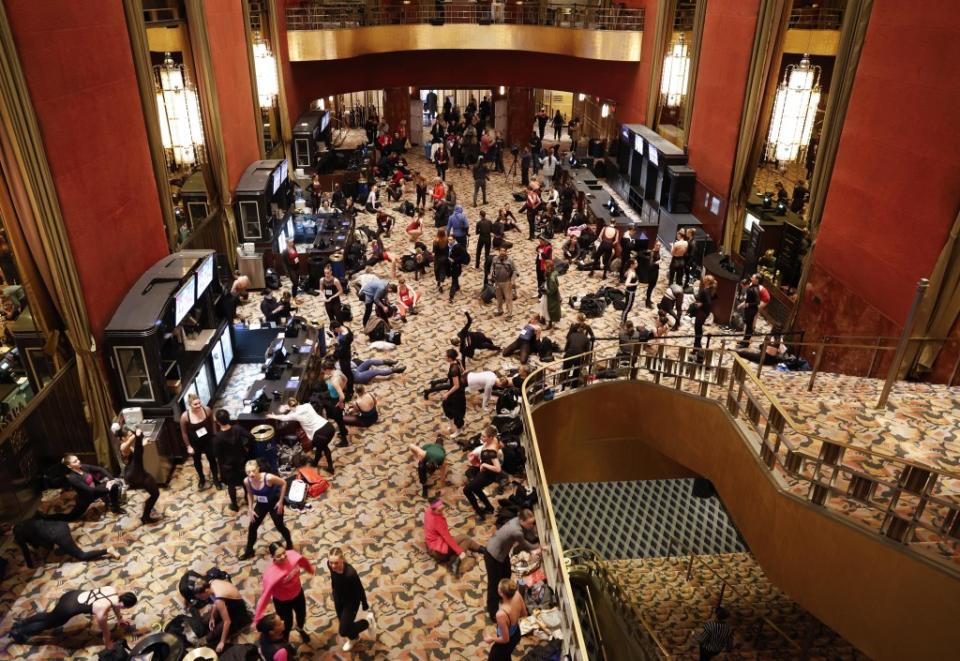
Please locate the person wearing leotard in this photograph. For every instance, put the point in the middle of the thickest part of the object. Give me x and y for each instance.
(332, 292)
(455, 400)
(228, 611)
(91, 483)
(335, 399)
(262, 499)
(196, 429)
(362, 411)
(273, 644)
(232, 445)
(512, 610)
(97, 602)
(366, 371)
(281, 582)
(41, 533)
(485, 470)
(469, 341)
(131, 452)
(528, 340)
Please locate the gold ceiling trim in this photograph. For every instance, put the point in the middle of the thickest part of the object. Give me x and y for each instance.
(314, 45)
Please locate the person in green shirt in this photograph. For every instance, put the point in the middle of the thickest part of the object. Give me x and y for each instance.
(430, 458)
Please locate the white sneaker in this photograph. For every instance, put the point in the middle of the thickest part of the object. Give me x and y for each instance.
(347, 646)
(373, 624)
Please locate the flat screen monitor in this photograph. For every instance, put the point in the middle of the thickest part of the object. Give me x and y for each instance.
(204, 275)
(653, 155)
(638, 144)
(204, 391)
(279, 176)
(185, 298)
(219, 369)
(226, 345)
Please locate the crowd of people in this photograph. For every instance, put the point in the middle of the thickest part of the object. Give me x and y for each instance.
(491, 362)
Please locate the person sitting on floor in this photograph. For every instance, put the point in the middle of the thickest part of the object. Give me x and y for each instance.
(430, 458)
(441, 545)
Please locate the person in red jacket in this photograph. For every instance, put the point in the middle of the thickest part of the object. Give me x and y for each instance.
(441, 545)
(281, 582)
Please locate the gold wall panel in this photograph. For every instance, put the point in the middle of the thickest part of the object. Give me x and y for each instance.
(313, 45)
(812, 42)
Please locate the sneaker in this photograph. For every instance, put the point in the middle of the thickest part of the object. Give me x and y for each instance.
(373, 623)
(389, 362)
(342, 443)
(202, 485)
(112, 552)
(247, 554)
(235, 508)
(304, 636)
(399, 369)
(455, 566)
(218, 486)
(455, 434)
(347, 646)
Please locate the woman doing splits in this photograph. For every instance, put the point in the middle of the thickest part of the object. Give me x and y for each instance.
(97, 602)
(512, 610)
(228, 611)
(131, 452)
(263, 499)
(281, 582)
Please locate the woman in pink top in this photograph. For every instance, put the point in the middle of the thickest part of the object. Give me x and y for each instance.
(441, 545)
(281, 581)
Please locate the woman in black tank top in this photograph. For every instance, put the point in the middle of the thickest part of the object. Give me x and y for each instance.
(196, 429)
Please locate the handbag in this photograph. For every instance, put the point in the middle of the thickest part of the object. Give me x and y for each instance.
(314, 482)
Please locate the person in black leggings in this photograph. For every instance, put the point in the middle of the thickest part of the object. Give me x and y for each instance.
(263, 499)
(41, 533)
(131, 451)
(455, 400)
(469, 341)
(486, 469)
(91, 483)
(196, 429)
(232, 444)
(97, 602)
(228, 611)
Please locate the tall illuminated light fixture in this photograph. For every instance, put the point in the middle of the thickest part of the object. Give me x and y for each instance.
(676, 74)
(178, 108)
(794, 112)
(265, 67)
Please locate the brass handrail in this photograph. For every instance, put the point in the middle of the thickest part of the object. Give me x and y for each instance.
(595, 565)
(825, 472)
(673, 541)
(319, 16)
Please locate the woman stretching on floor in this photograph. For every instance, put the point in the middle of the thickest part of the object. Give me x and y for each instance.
(528, 340)
(469, 341)
(97, 602)
(362, 411)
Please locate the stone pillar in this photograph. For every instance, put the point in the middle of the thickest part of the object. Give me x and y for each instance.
(396, 106)
(521, 111)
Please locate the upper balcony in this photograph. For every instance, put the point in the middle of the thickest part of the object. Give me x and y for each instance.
(321, 31)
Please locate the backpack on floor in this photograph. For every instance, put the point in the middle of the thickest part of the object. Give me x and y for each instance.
(488, 294)
(520, 197)
(408, 263)
(614, 296)
(316, 483)
(514, 458)
(376, 329)
(508, 425)
(592, 306)
(406, 207)
(345, 314)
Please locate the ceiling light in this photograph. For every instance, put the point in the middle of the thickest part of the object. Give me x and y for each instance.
(794, 112)
(604, 110)
(676, 74)
(178, 109)
(265, 67)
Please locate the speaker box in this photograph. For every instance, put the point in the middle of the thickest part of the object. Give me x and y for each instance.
(676, 193)
(703, 488)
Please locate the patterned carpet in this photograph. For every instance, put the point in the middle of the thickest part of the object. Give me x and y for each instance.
(637, 519)
(373, 509)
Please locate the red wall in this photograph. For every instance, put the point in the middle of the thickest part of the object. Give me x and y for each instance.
(894, 193)
(79, 69)
(718, 101)
(228, 51)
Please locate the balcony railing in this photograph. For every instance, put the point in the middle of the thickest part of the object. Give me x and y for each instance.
(815, 18)
(317, 16)
(905, 501)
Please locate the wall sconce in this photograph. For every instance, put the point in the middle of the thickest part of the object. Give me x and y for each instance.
(178, 109)
(503, 90)
(605, 110)
(581, 97)
(265, 67)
